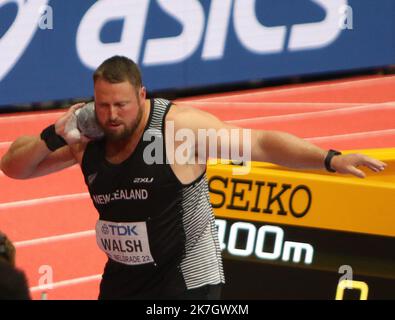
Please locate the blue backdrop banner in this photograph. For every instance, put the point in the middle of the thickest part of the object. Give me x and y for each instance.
(49, 48)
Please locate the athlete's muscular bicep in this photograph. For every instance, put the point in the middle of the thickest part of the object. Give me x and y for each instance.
(55, 161)
(215, 138)
(28, 157)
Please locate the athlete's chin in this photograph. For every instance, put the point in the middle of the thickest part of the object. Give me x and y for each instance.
(117, 135)
(114, 136)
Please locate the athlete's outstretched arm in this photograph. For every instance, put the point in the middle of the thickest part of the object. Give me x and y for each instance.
(276, 147)
(290, 151)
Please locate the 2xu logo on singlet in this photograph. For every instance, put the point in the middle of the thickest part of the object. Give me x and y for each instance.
(125, 243)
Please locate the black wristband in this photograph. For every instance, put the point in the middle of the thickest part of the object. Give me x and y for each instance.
(52, 139)
(328, 159)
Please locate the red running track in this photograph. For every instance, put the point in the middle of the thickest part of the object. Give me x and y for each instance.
(51, 219)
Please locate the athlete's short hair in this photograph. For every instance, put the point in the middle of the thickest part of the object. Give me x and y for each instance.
(119, 69)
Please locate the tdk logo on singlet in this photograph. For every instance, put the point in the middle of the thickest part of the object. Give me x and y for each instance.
(199, 30)
(119, 230)
(105, 229)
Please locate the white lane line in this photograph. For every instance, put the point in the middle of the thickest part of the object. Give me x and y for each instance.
(35, 117)
(364, 134)
(66, 283)
(5, 144)
(38, 201)
(62, 237)
(309, 115)
(304, 88)
(273, 104)
(73, 167)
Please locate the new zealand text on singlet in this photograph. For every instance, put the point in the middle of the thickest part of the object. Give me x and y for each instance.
(121, 194)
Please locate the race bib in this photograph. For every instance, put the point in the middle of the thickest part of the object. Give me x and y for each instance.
(122, 242)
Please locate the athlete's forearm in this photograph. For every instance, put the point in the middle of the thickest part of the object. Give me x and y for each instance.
(23, 157)
(290, 151)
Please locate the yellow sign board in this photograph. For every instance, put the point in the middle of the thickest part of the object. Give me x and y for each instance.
(317, 199)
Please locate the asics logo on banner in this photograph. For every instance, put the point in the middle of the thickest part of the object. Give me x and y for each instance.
(19, 35)
(198, 30)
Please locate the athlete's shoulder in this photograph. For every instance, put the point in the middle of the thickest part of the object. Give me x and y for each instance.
(186, 115)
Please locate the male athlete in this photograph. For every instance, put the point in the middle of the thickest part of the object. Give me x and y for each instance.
(156, 223)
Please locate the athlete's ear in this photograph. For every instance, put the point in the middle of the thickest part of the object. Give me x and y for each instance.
(142, 93)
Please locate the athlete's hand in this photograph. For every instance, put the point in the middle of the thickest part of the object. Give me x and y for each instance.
(348, 164)
(66, 126)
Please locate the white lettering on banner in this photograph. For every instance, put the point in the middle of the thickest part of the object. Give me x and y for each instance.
(15, 41)
(252, 34)
(319, 34)
(217, 29)
(176, 49)
(91, 50)
(249, 247)
(124, 194)
(260, 39)
(126, 243)
(256, 240)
